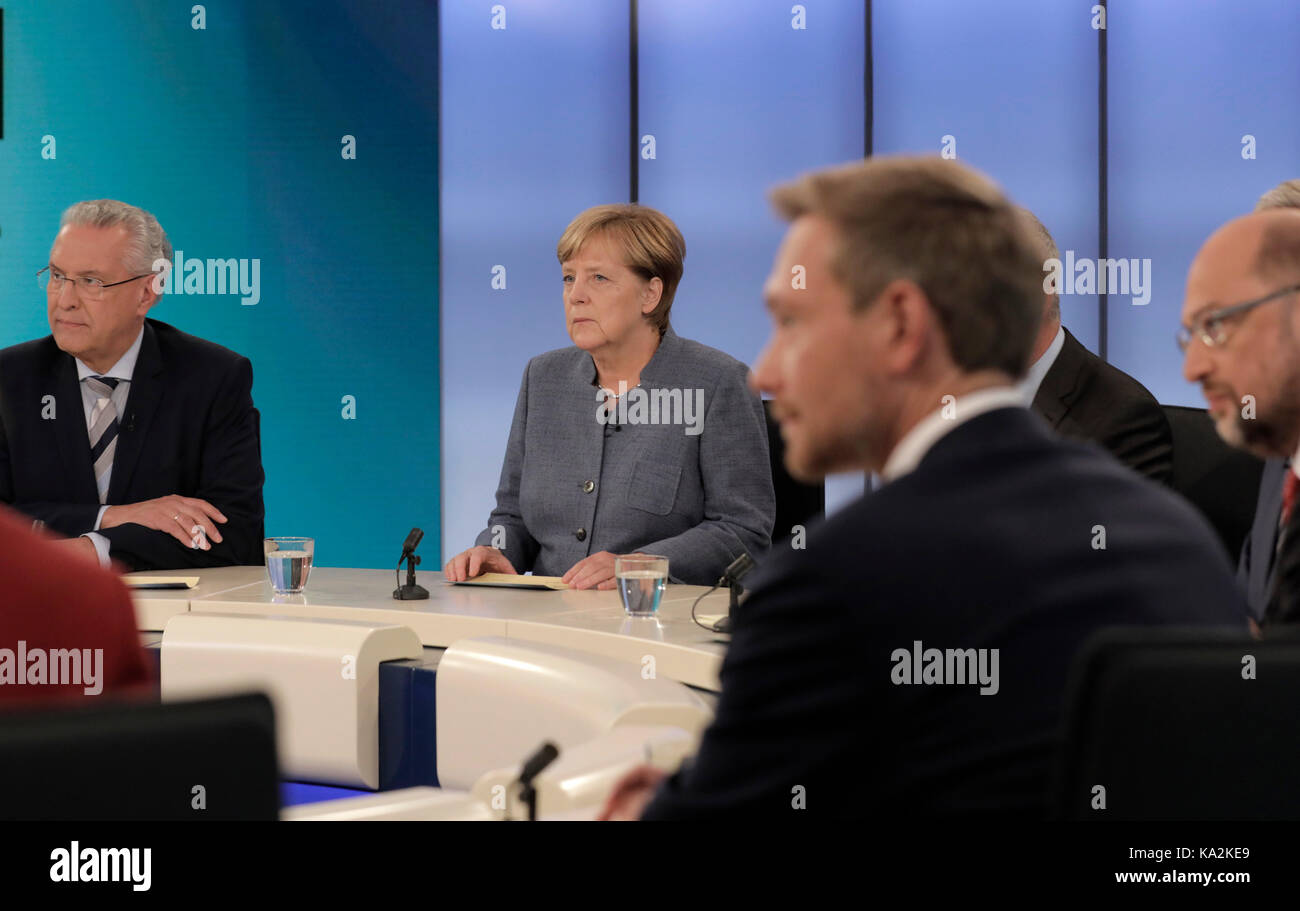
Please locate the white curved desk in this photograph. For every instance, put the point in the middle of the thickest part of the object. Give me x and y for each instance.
(590, 621)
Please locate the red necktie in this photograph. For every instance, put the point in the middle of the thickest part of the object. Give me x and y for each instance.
(1288, 495)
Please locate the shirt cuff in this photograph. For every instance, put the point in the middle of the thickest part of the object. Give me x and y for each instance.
(101, 546)
(99, 517)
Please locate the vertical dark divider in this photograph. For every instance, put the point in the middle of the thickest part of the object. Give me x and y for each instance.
(868, 87)
(1103, 217)
(634, 91)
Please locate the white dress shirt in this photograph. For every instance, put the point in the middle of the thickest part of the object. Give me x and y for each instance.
(1034, 377)
(122, 371)
(934, 426)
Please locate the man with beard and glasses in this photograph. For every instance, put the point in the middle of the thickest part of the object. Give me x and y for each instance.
(1239, 335)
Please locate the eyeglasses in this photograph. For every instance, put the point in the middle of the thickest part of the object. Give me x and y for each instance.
(87, 288)
(1212, 327)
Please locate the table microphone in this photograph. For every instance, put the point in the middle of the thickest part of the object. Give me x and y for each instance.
(410, 591)
(533, 766)
(412, 542)
(731, 577)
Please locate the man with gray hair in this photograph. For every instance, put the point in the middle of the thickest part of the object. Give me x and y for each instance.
(1085, 398)
(134, 439)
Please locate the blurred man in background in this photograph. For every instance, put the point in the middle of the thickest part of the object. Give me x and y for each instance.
(911, 660)
(1085, 398)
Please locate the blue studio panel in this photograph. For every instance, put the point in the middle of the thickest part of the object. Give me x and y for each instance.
(737, 101)
(1190, 84)
(535, 113)
(740, 96)
(231, 127)
(1014, 85)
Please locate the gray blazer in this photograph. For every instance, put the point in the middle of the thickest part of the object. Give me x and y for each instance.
(679, 469)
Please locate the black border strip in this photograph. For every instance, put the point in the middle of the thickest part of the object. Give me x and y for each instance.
(634, 96)
(868, 86)
(1103, 166)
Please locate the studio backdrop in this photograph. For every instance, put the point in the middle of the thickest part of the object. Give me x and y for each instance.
(301, 141)
(1132, 128)
(289, 149)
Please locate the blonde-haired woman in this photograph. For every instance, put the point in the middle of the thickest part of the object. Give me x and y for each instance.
(632, 440)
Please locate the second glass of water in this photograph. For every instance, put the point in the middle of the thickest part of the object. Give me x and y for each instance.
(641, 580)
(288, 563)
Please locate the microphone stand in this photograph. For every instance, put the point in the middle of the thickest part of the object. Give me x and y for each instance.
(734, 573)
(410, 591)
(533, 766)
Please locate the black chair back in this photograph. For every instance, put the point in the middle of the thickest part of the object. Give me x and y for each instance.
(211, 759)
(1181, 725)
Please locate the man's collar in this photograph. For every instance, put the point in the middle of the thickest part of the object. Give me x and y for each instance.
(911, 449)
(1038, 369)
(123, 369)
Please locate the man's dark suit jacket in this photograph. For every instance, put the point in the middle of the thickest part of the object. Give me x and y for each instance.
(1085, 398)
(988, 544)
(1283, 606)
(189, 427)
(1259, 550)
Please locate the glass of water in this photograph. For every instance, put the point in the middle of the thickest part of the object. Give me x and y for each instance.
(288, 563)
(641, 581)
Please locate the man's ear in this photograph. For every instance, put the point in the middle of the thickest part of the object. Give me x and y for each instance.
(909, 324)
(148, 298)
(651, 295)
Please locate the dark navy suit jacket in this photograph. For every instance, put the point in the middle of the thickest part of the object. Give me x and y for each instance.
(991, 543)
(189, 427)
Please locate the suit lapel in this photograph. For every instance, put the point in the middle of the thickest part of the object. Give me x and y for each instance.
(1057, 391)
(141, 403)
(70, 429)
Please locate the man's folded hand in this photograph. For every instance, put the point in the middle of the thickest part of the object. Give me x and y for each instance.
(187, 519)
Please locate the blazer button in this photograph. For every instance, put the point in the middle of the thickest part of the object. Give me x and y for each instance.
(588, 486)
(581, 534)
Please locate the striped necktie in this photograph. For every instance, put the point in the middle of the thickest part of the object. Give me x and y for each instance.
(103, 430)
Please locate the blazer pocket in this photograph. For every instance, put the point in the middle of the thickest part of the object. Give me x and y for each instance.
(653, 488)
